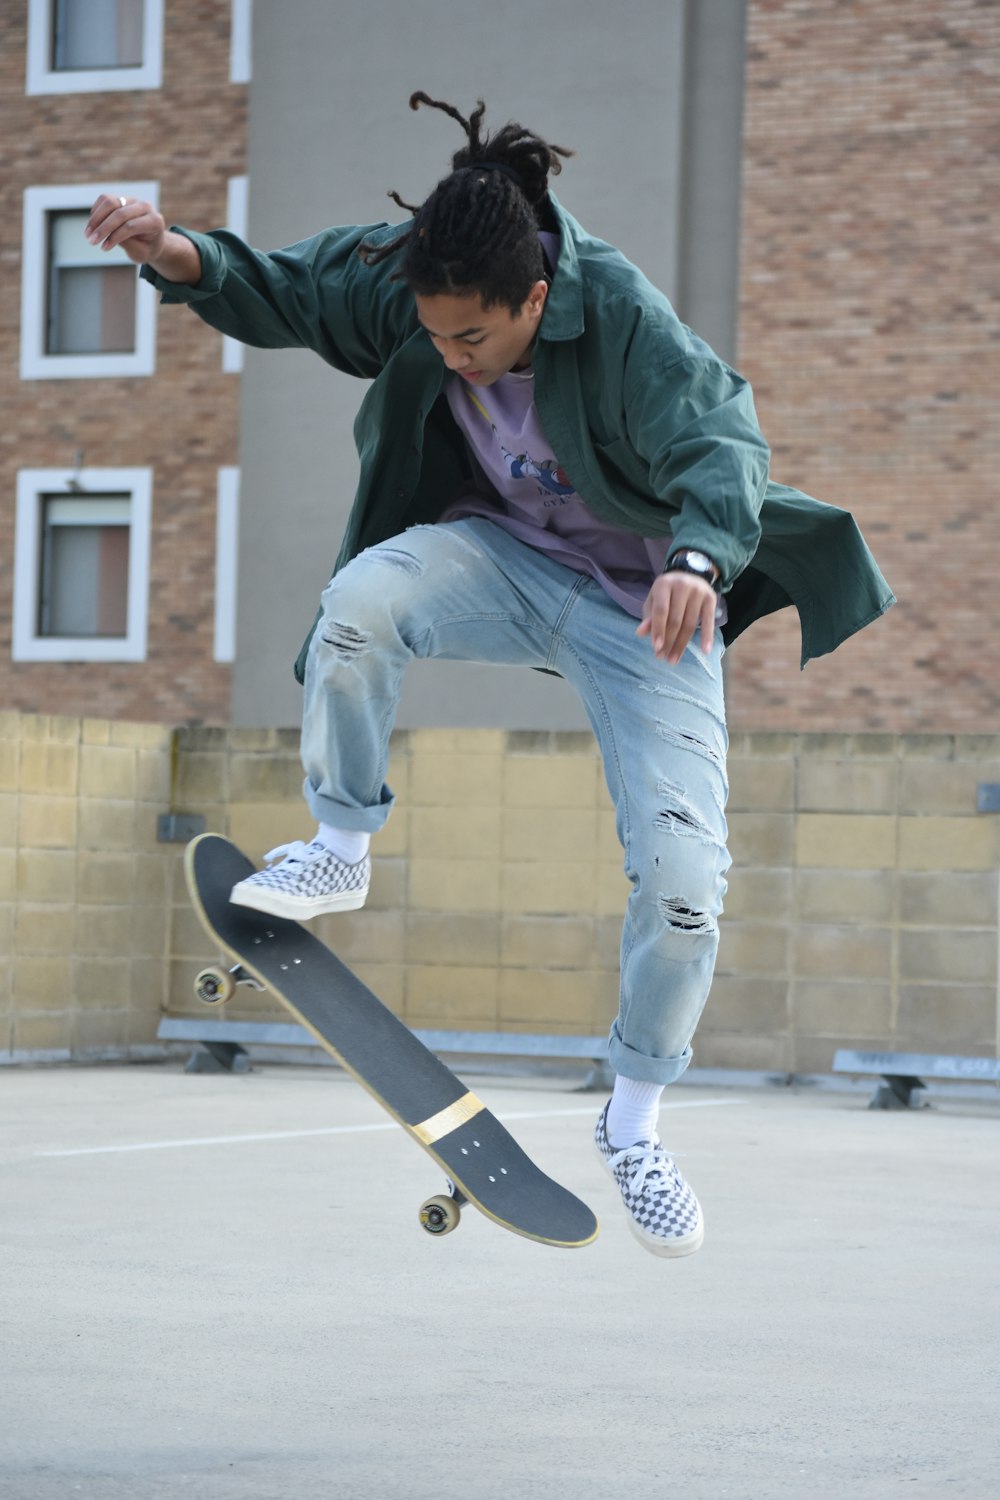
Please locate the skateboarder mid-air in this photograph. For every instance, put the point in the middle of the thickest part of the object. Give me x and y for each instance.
(554, 472)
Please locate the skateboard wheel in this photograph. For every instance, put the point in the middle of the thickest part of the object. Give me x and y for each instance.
(440, 1215)
(214, 986)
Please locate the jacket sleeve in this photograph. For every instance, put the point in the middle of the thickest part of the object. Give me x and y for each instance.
(692, 421)
(313, 295)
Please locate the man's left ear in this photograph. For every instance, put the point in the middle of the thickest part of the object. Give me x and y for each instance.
(536, 298)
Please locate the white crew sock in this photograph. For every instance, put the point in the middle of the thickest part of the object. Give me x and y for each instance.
(633, 1112)
(346, 843)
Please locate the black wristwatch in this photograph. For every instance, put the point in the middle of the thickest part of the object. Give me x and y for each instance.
(687, 560)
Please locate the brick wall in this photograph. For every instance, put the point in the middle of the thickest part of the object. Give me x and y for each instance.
(190, 137)
(862, 907)
(870, 330)
(869, 327)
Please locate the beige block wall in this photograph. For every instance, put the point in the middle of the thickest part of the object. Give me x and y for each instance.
(84, 886)
(862, 907)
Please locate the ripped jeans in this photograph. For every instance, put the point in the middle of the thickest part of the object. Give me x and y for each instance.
(468, 591)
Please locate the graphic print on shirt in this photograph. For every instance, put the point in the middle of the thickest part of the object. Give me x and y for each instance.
(553, 483)
(551, 478)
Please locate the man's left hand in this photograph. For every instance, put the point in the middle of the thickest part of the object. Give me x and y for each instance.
(675, 606)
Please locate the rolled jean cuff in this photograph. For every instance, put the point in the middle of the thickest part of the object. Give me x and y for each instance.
(628, 1063)
(357, 819)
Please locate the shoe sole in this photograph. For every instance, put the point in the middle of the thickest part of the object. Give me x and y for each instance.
(296, 908)
(655, 1243)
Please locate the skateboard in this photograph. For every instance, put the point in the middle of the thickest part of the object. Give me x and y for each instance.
(482, 1162)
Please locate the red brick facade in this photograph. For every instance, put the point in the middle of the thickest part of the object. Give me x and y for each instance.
(190, 137)
(868, 325)
(870, 328)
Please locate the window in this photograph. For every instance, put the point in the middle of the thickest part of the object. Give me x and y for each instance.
(90, 307)
(81, 564)
(83, 46)
(92, 34)
(83, 571)
(84, 312)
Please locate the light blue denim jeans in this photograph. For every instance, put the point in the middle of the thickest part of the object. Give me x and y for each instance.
(468, 591)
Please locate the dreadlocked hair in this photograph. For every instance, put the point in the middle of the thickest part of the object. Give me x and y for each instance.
(477, 233)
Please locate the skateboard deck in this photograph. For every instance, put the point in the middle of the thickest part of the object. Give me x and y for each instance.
(482, 1161)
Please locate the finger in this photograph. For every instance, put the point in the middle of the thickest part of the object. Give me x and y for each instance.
(125, 221)
(686, 627)
(104, 207)
(119, 225)
(656, 611)
(679, 618)
(683, 615)
(708, 624)
(666, 621)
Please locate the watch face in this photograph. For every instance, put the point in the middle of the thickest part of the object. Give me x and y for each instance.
(689, 561)
(696, 563)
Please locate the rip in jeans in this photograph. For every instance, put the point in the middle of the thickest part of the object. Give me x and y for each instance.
(682, 918)
(680, 819)
(346, 639)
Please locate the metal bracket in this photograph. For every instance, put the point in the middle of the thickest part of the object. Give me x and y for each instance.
(600, 1079)
(219, 1057)
(178, 828)
(899, 1092)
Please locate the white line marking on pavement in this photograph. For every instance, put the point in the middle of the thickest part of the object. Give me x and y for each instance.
(221, 1140)
(296, 1135)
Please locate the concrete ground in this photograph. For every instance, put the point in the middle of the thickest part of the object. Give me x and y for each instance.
(217, 1287)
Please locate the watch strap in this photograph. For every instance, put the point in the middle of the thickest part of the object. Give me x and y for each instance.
(699, 564)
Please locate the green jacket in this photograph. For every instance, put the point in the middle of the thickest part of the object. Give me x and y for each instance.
(656, 432)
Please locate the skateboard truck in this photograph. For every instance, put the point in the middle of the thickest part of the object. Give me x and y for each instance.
(442, 1213)
(214, 986)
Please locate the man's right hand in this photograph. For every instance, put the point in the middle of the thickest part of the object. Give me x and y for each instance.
(141, 231)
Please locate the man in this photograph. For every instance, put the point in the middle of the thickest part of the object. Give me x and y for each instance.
(555, 472)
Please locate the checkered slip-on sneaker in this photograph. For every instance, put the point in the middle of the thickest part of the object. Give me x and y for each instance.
(309, 881)
(663, 1213)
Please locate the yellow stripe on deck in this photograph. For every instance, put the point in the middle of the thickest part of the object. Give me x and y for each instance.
(446, 1120)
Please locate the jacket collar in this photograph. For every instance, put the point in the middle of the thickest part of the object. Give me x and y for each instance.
(563, 315)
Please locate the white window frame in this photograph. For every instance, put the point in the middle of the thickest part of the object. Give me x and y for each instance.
(36, 363)
(42, 78)
(240, 41)
(32, 484)
(236, 219)
(227, 531)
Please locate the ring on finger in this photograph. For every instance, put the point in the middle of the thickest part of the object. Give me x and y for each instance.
(122, 201)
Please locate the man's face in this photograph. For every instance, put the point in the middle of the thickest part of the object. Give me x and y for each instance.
(482, 343)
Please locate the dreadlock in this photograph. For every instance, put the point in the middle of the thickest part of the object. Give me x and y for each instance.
(478, 230)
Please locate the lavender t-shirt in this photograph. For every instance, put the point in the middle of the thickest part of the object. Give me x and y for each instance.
(523, 489)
